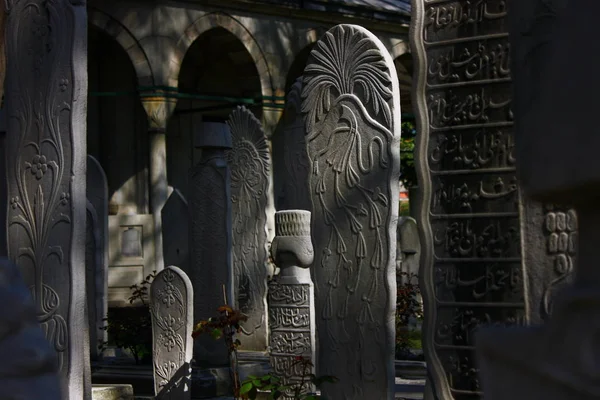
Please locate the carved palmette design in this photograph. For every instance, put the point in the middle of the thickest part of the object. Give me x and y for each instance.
(45, 98)
(170, 309)
(351, 107)
(250, 163)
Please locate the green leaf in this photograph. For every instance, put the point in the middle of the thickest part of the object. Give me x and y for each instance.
(246, 388)
(216, 333)
(257, 383)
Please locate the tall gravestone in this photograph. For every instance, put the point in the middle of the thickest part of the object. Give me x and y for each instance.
(210, 235)
(175, 226)
(96, 253)
(350, 98)
(250, 164)
(46, 94)
(408, 254)
(290, 163)
(489, 257)
(291, 300)
(171, 310)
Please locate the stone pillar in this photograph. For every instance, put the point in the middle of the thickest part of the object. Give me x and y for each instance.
(159, 106)
(46, 100)
(210, 236)
(291, 298)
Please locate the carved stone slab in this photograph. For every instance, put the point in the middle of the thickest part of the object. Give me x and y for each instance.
(489, 257)
(291, 299)
(408, 254)
(351, 100)
(28, 369)
(250, 164)
(171, 309)
(290, 162)
(176, 237)
(210, 236)
(3, 199)
(46, 96)
(96, 253)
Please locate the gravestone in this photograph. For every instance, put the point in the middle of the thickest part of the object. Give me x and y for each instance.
(171, 309)
(550, 41)
(46, 95)
(210, 236)
(28, 369)
(489, 255)
(175, 226)
(350, 97)
(290, 163)
(291, 300)
(408, 254)
(3, 199)
(250, 164)
(96, 256)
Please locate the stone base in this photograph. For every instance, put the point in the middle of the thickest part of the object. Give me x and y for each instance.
(112, 392)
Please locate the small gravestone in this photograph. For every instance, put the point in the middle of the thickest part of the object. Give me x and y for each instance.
(171, 309)
(291, 300)
(175, 226)
(28, 369)
(408, 253)
(46, 100)
(250, 165)
(290, 162)
(351, 102)
(96, 255)
(210, 236)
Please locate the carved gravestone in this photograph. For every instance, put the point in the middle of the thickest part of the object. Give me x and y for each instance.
(408, 253)
(28, 369)
(291, 299)
(175, 226)
(96, 253)
(46, 96)
(290, 163)
(250, 163)
(210, 236)
(489, 256)
(352, 107)
(171, 309)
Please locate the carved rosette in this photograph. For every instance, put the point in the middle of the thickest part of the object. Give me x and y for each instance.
(250, 163)
(171, 309)
(352, 113)
(46, 90)
(291, 300)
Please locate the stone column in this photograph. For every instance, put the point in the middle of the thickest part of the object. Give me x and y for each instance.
(291, 298)
(46, 100)
(210, 236)
(159, 106)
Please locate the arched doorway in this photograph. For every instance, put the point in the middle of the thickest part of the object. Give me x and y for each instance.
(217, 74)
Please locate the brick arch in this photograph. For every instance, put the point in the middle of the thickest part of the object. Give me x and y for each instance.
(115, 29)
(232, 25)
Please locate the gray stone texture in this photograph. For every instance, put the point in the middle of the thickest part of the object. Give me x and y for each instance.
(3, 199)
(408, 252)
(112, 392)
(176, 236)
(490, 256)
(96, 253)
(290, 162)
(46, 96)
(250, 164)
(29, 369)
(171, 309)
(350, 98)
(291, 299)
(210, 237)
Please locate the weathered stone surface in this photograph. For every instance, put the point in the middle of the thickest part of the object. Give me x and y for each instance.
(290, 163)
(28, 369)
(291, 299)
(408, 252)
(112, 392)
(46, 96)
(351, 100)
(96, 253)
(490, 256)
(210, 237)
(171, 309)
(250, 165)
(176, 231)
(3, 199)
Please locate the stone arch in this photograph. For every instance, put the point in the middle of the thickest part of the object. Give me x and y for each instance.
(115, 29)
(399, 49)
(225, 21)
